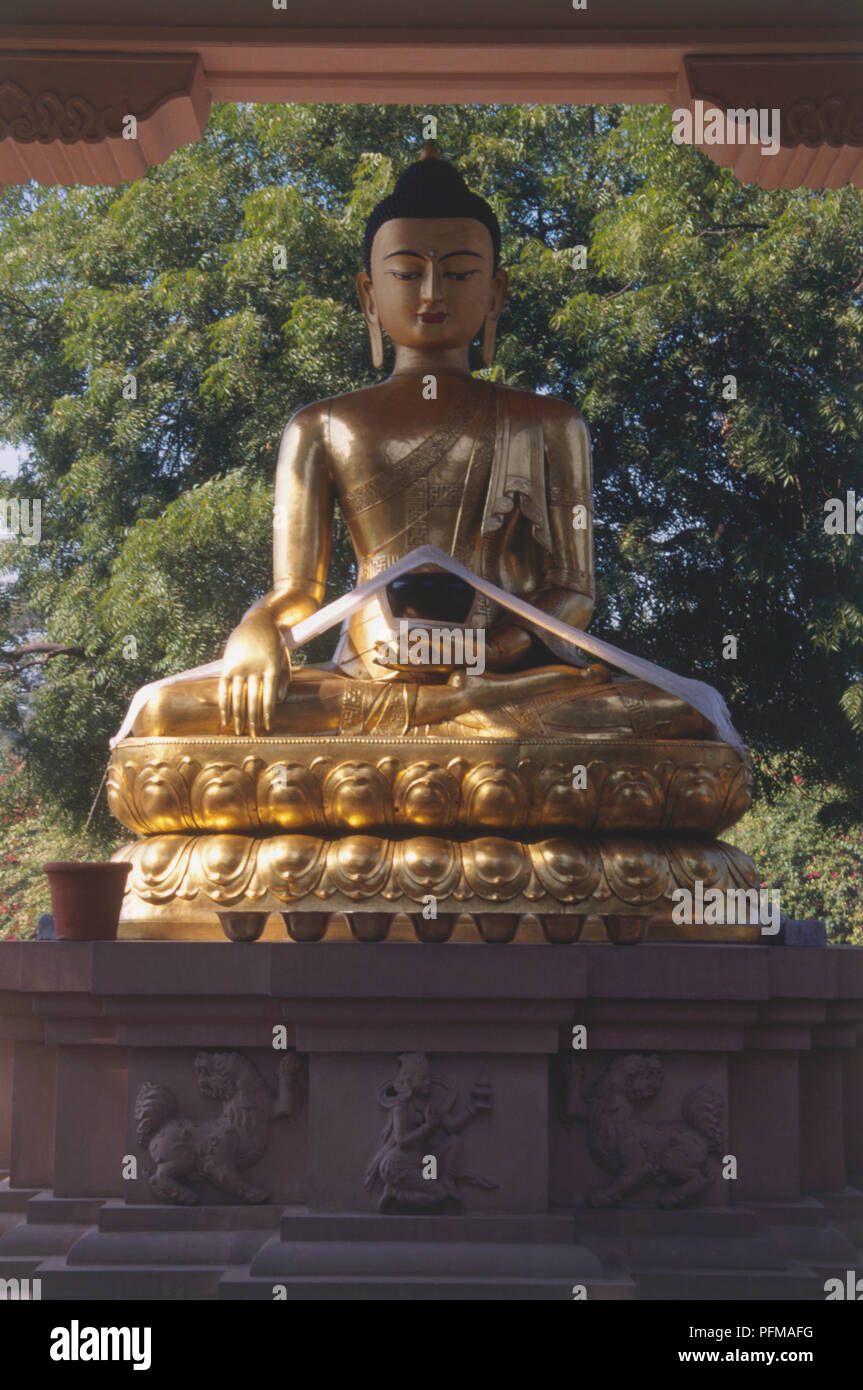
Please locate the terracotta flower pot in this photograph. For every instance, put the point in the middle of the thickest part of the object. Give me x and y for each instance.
(86, 898)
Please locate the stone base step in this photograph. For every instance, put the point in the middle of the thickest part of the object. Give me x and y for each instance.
(117, 1216)
(60, 1283)
(38, 1240)
(557, 1264)
(298, 1224)
(847, 1205)
(696, 1223)
(826, 1248)
(164, 1249)
(730, 1285)
(15, 1198)
(687, 1252)
(93, 1249)
(238, 1285)
(46, 1209)
(21, 1267)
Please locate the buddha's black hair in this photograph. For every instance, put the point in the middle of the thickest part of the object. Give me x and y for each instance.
(431, 188)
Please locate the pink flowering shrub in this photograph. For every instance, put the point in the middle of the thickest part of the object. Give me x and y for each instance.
(805, 834)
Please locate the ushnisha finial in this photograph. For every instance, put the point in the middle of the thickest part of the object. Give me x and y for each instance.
(429, 150)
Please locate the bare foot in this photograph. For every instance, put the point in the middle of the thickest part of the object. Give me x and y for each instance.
(478, 692)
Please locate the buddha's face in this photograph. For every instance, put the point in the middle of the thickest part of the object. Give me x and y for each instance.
(433, 283)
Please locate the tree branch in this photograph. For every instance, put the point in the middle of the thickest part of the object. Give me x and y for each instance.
(730, 227)
(47, 649)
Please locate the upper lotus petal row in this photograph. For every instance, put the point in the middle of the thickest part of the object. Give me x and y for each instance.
(691, 788)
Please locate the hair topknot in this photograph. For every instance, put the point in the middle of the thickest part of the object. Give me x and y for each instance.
(431, 188)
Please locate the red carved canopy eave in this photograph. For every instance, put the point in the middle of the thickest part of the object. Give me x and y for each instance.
(62, 113)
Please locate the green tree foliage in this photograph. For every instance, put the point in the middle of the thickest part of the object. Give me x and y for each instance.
(223, 283)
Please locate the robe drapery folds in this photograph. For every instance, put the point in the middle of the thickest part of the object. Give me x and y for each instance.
(508, 517)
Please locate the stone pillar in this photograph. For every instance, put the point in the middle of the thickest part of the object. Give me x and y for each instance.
(89, 1141)
(765, 1126)
(33, 1089)
(852, 1110)
(7, 1058)
(822, 1148)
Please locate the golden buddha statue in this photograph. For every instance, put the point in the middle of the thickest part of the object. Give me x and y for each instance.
(215, 767)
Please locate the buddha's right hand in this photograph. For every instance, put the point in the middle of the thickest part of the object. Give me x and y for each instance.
(255, 670)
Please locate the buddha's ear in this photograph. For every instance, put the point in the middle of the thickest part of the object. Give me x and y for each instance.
(496, 301)
(497, 293)
(366, 292)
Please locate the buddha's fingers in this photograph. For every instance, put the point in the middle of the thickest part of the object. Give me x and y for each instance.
(238, 700)
(253, 695)
(224, 701)
(268, 701)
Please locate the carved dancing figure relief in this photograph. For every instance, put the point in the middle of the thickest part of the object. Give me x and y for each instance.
(420, 1163)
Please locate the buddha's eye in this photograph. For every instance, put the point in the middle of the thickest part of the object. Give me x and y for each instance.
(460, 274)
(405, 274)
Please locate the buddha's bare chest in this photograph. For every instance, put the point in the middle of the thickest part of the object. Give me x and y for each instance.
(386, 429)
(397, 459)
(389, 472)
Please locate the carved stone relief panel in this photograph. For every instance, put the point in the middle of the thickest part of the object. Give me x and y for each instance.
(416, 1132)
(216, 1126)
(639, 1129)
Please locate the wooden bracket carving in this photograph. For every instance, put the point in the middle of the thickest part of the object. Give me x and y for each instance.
(820, 105)
(65, 117)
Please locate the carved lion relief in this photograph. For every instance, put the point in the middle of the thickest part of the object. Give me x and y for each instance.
(675, 1154)
(217, 1150)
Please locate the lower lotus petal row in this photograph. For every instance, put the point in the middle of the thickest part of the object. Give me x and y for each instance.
(229, 869)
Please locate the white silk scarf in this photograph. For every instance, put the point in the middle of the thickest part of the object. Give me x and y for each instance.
(698, 694)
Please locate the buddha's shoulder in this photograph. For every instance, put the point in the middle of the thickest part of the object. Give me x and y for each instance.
(309, 419)
(564, 428)
(349, 408)
(362, 401)
(550, 409)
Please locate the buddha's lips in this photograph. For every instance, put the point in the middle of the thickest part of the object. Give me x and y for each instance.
(431, 318)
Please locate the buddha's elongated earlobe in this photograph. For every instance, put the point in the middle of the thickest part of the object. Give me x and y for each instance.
(376, 342)
(489, 333)
(370, 314)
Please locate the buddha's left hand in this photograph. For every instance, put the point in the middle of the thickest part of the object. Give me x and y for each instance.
(506, 645)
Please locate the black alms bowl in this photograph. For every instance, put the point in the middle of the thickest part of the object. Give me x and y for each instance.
(438, 597)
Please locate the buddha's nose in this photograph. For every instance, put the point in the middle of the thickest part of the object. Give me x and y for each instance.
(432, 284)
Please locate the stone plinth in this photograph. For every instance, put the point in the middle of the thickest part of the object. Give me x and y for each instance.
(424, 1126)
